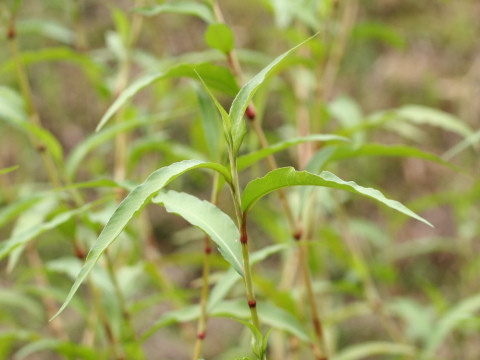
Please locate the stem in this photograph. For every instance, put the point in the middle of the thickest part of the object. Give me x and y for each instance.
(202, 321)
(242, 223)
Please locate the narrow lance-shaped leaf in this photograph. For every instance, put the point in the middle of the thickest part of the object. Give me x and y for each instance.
(247, 160)
(193, 8)
(206, 216)
(9, 169)
(7, 246)
(215, 76)
(362, 351)
(245, 95)
(288, 176)
(131, 206)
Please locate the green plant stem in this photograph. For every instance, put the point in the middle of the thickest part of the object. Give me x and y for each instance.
(202, 321)
(295, 229)
(242, 223)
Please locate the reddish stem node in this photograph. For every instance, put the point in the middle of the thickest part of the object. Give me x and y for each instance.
(11, 33)
(208, 249)
(298, 235)
(252, 303)
(202, 335)
(250, 112)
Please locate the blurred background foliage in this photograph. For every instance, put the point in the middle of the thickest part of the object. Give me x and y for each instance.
(415, 61)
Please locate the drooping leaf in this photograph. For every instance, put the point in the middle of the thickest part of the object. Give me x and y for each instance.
(424, 115)
(471, 140)
(285, 177)
(206, 216)
(462, 311)
(94, 140)
(245, 95)
(365, 350)
(335, 153)
(247, 160)
(193, 8)
(9, 169)
(215, 76)
(9, 212)
(131, 206)
(219, 36)
(7, 246)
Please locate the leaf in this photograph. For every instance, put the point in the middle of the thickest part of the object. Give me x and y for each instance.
(463, 310)
(9, 212)
(285, 177)
(336, 153)
(220, 36)
(130, 207)
(94, 140)
(194, 8)
(9, 169)
(247, 160)
(245, 95)
(7, 246)
(210, 219)
(48, 28)
(211, 124)
(215, 76)
(67, 348)
(230, 278)
(366, 350)
(425, 115)
(469, 141)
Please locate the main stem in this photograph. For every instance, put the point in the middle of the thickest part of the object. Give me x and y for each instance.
(242, 222)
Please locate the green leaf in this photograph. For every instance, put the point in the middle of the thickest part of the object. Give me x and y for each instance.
(469, 141)
(463, 310)
(211, 124)
(425, 115)
(94, 140)
(66, 348)
(193, 8)
(131, 206)
(206, 216)
(335, 153)
(9, 212)
(48, 28)
(285, 177)
(365, 350)
(215, 76)
(245, 95)
(247, 160)
(7, 246)
(220, 36)
(9, 169)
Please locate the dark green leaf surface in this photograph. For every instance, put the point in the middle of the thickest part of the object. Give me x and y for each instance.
(214, 222)
(130, 207)
(285, 177)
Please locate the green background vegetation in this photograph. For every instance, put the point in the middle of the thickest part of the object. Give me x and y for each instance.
(96, 96)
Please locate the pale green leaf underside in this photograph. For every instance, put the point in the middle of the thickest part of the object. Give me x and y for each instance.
(245, 95)
(288, 176)
(362, 351)
(214, 222)
(131, 206)
(179, 7)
